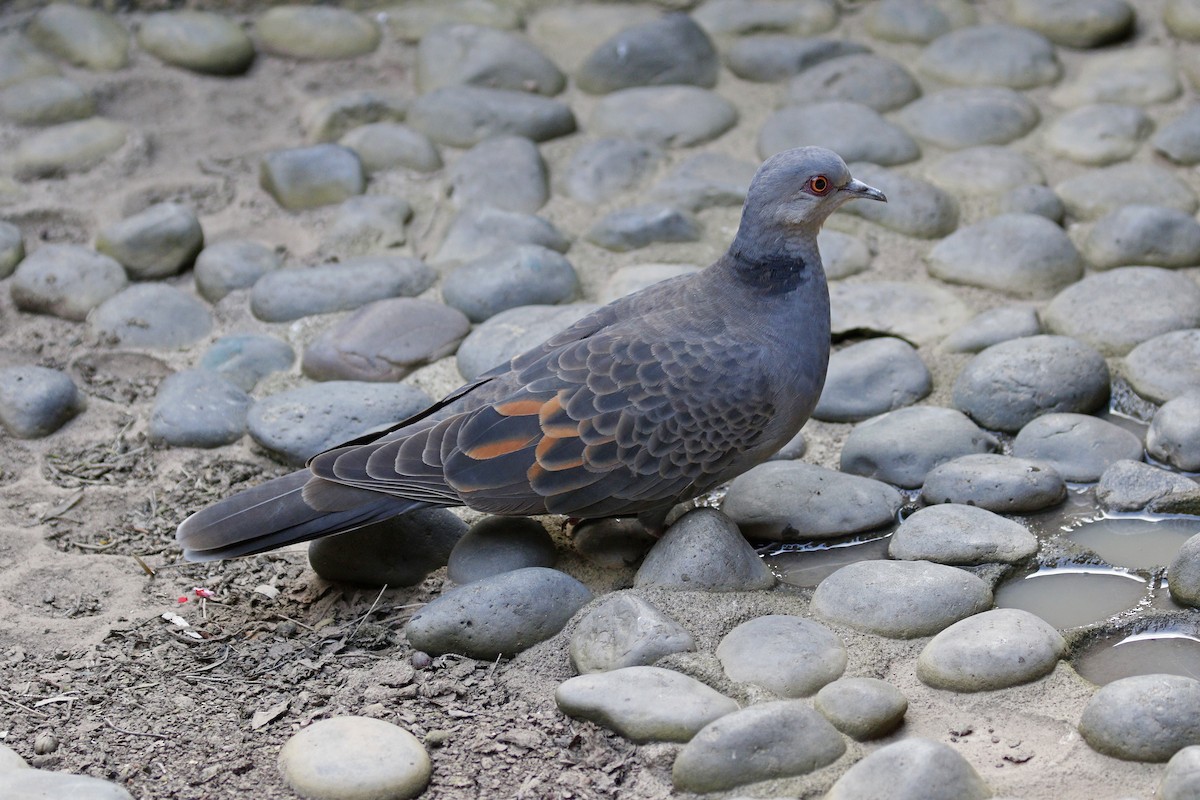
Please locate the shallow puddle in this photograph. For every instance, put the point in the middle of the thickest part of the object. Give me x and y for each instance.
(806, 565)
(1068, 597)
(1135, 542)
(1121, 655)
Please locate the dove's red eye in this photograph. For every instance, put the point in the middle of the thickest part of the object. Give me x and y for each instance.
(818, 184)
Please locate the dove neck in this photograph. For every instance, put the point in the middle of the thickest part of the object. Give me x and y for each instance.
(776, 270)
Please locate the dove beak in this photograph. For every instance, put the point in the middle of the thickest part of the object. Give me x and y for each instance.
(857, 189)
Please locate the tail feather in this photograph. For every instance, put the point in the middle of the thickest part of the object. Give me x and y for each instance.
(274, 514)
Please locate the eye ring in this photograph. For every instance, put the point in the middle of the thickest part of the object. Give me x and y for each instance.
(819, 185)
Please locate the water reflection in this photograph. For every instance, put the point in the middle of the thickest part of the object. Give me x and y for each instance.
(1074, 595)
(808, 564)
(1109, 658)
(1135, 542)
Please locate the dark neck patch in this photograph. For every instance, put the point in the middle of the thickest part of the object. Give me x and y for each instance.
(774, 273)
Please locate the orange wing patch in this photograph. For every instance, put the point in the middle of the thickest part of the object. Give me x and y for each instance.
(554, 419)
(523, 407)
(498, 448)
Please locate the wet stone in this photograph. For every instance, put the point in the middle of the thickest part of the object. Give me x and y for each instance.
(309, 177)
(852, 130)
(1090, 24)
(992, 327)
(665, 116)
(156, 243)
(381, 146)
(227, 266)
(900, 599)
(1166, 366)
(918, 21)
(345, 757)
(992, 55)
(801, 17)
(1099, 134)
(911, 769)
(200, 41)
(479, 231)
(612, 543)
(984, 170)
(505, 172)
(623, 630)
(37, 401)
(1137, 486)
(284, 295)
(198, 408)
(512, 332)
(463, 116)
(20, 60)
(1004, 387)
(792, 500)
(915, 207)
(764, 741)
(48, 100)
(994, 650)
(400, 551)
(961, 535)
(152, 315)
(35, 784)
(628, 280)
(919, 314)
(1174, 434)
(1144, 235)
(498, 616)
(69, 147)
(1136, 76)
(1182, 777)
(602, 169)
(643, 703)
(902, 446)
(704, 551)
(1184, 574)
(299, 423)
(1079, 446)
(957, 118)
(670, 50)
(1179, 139)
(636, 227)
(1004, 484)
(1148, 301)
(521, 275)
(478, 55)
(246, 358)
(706, 180)
(871, 378)
(789, 656)
(12, 248)
(368, 224)
(862, 708)
(1144, 717)
(874, 81)
(385, 340)
(842, 255)
(772, 57)
(1097, 192)
(494, 545)
(65, 280)
(80, 36)
(327, 119)
(316, 32)
(1019, 254)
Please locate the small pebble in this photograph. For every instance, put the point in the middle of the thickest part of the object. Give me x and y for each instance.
(871, 378)
(1143, 718)
(156, 243)
(355, 757)
(70, 147)
(198, 408)
(961, 535)
(862, 708)
(1004, 484)
(81, 36)
(152, 315)
(309, 177)
(911, 769)
(623, 630)
(500, 544)
(387, 145)
(1174, 434)
(704, 551)
(65, 280)
(48, 100)
(520, 275)
(37, 401)
(789, 656)
(1079, 446)
(227, 266)
(400, 551)
(498, 616)
(644, 704)
(792, 500)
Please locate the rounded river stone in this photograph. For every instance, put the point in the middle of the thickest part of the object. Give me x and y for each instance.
(159, 242)
(199, 408)
(511, 333)
(152, 315)
(666, 116)
(992, 327)
(65, 280)
(37, 401)
(862, 708)
(500, 544)
(790, 656)
(355, 757)
(316, 32)
(994, 650)
(1079, 446)
(1184, 573)
(623, 630)
(1143, 717)
(1144, 235)
(704, 551)
(961, 535)
(876, 82)
(911, 769)
(1166, 366)
(1099, 134)
(479, 55)
(670, 50)
(1174, 434)
(852, 130)
(201, 41)
(1090, 24)
(969, 117)
(520, 275)
(914, 208)
(1093, 193)
(400, 551)
(992, 55)
(999, 483)
(871, 378)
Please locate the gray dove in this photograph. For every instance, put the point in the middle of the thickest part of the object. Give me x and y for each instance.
(646, 402)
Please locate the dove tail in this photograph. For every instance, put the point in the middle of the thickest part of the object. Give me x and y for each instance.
(280, 512)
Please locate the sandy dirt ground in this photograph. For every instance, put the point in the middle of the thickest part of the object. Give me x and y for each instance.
(88, 565)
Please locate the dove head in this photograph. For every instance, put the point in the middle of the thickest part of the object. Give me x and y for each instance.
(792, 194)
